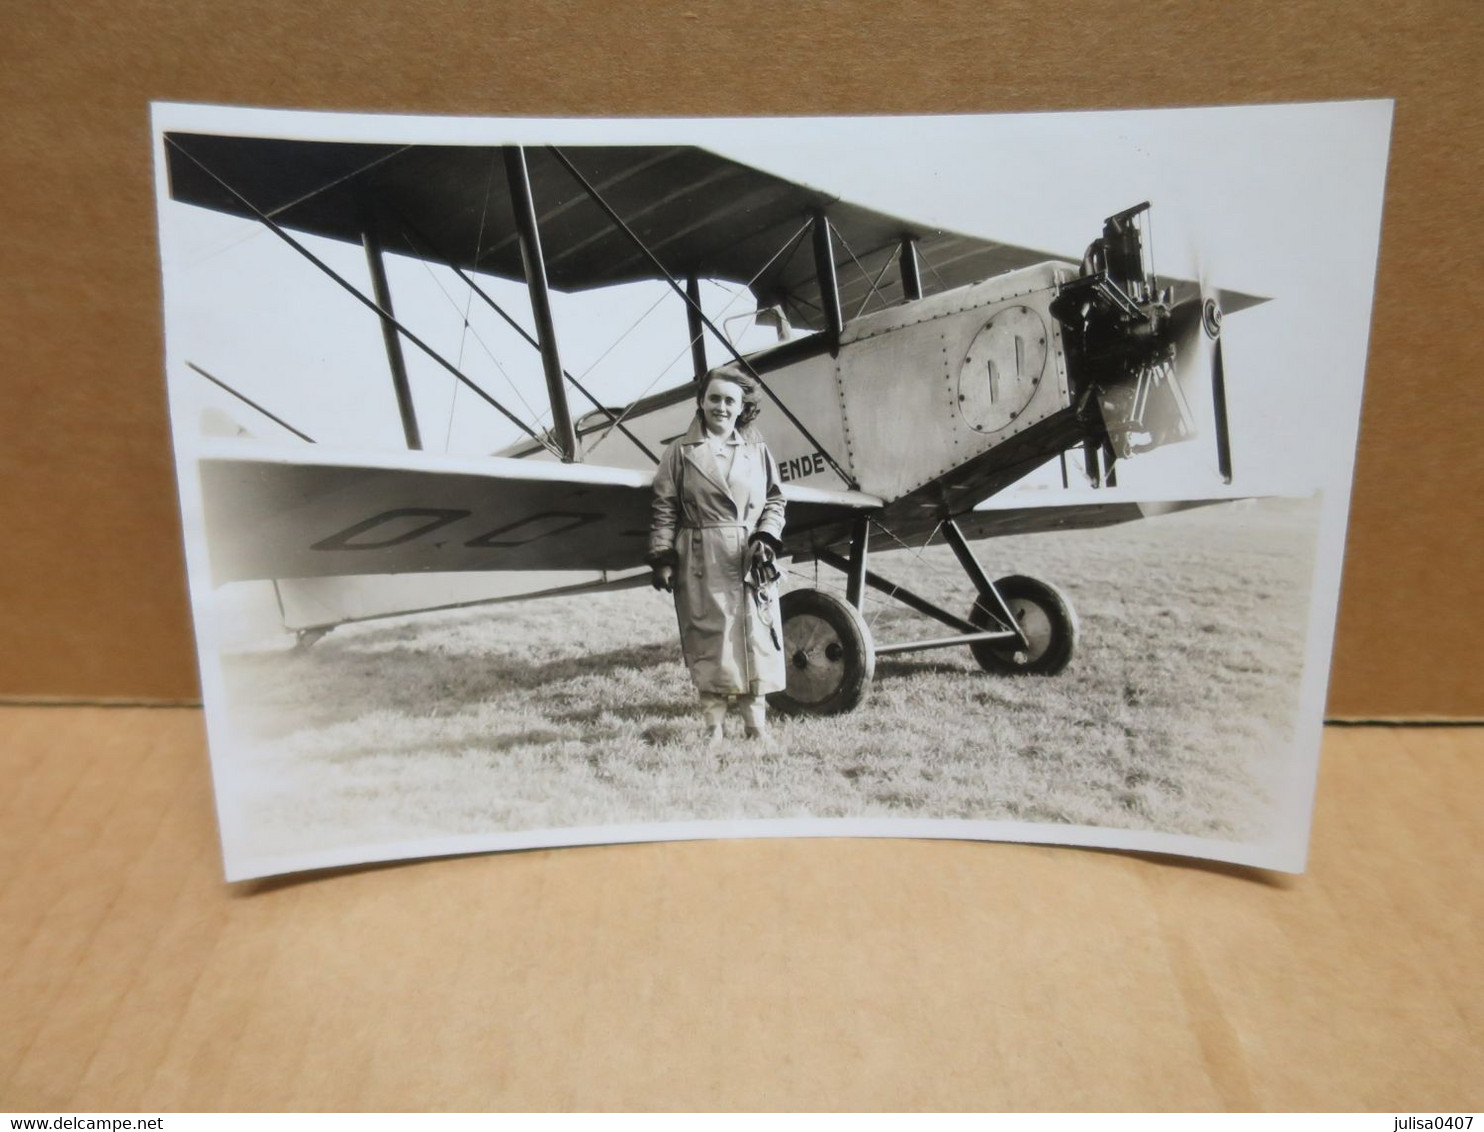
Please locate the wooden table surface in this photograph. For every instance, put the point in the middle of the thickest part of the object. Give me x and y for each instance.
(745, 974)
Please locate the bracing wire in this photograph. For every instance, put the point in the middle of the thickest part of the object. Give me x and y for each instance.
(230, 243)
(279, 231)
(485, 346)
(611, 347)
(875, 285)
(328, 185)
(791, 242)
(922, 255)
(453, 402)
(864, 273)
(675, 285)
(419, 240)
(243, 237)
(918, 559)
(878, 604)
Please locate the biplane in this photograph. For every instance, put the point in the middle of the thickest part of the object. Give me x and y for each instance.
(930, 371)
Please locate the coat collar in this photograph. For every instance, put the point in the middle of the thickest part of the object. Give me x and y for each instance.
(698, 454)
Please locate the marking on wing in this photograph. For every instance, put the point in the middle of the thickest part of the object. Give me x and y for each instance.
(546, 524)
(345, 540)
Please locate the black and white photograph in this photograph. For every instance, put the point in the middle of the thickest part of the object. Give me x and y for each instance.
(553, 482)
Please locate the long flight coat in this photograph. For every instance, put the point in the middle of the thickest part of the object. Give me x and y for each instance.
(732, 640)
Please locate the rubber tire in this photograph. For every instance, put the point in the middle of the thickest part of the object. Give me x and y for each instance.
(853, 662)
(1053, 626)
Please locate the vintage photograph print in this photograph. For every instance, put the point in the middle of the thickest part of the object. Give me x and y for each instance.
(561, 482)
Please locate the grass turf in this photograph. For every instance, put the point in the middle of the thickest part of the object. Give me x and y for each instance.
(1175, 715)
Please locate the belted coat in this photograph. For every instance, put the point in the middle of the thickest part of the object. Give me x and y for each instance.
(703, 519)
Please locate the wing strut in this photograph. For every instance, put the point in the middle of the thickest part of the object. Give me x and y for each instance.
(679, 289)
(535, 264)
(375, 259)
(278, 230)
(829, 282)
(911, 274)
(697, 331)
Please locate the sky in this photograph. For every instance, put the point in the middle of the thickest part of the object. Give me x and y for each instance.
(1281, 201)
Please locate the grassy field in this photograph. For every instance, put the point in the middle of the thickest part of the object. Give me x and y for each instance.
(1176, 714)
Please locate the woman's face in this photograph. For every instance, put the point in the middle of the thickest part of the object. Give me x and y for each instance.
(721, 404)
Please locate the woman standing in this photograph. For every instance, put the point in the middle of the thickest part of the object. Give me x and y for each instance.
(718, 515)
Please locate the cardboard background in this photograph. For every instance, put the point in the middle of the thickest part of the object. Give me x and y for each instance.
(94, 591)
(791, 974)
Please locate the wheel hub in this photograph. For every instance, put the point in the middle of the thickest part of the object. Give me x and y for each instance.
(817, 657)
(827, 654)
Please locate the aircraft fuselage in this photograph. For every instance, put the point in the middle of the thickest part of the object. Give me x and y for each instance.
(931, 405)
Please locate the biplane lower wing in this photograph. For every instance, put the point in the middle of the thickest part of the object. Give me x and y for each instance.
(276, 513)
(297, 513)
(998, 522)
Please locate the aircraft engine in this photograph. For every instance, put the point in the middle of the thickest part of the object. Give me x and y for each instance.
(1140, 363)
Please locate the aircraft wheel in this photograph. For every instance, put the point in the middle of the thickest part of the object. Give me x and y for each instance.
(827, 653)
(1047, 618)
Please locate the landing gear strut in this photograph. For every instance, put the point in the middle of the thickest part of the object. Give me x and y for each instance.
(1017, 626)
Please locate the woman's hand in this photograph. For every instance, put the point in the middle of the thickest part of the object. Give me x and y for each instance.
(759, 562)
(663, 578)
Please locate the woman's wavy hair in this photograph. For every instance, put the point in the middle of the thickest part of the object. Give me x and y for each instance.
(752, 395)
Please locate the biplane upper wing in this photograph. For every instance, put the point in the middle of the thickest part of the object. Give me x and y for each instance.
(698, 212)
(302, 513)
